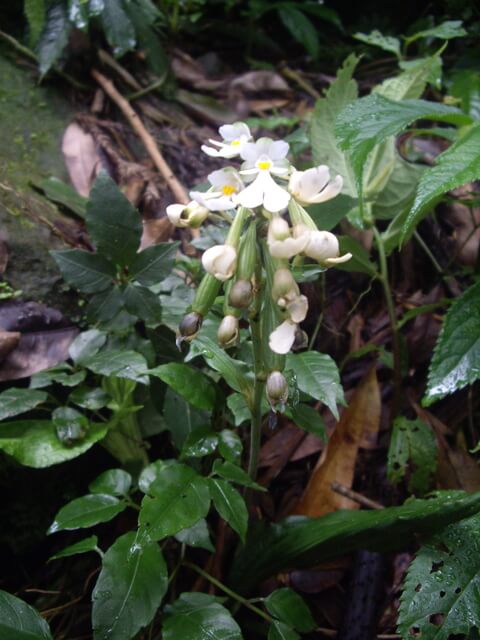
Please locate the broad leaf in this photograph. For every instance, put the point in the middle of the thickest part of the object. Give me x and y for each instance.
(87, 511)
(87, 272)
(20, 621)
(309, 419)
(63, 193)
(152, 472)
(87, 398)
(181, 418)
(17, 400)
(328, 214)
(301, 28)
(280, 631)
(119, 364)
(71, 426)
(197, 616)
(114, 482)
(129, 589)
(142, 303)
(112, 221)
(317, 375)
(290, 608)
(62, 374)
(412, 82)
(456, 359)
(230, 446)
(196, 536)
(445, 31)
(455, 167)
(230, 505)
(154, 264)
(441, 598)
(83, 546)
(118, 27)
(235, 474)
(399, 191)
(54, 37)
(377, 39)
(197, 388)
(34, 11)
(199, 443)
(105, 306)
(86, 345)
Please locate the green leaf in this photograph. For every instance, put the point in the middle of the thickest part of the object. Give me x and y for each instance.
(456, 166)
(234, 473)
(280, 631)
(465, 85)
(86, 345)
(151, 472)
(54, 38)
(114, 482)
(34, 11)
(18, 400)
(62, 374)
(441, 595)
(230, 505)
(445, 31)
(412, 442)
(129, 589)
(87, 398)
(178, 498)
(181, 419)
(35, 443)
(325, 149)
(154, 264)
(63, 194)
(143, 13)
(20, 621)
(71, 426)
(456, 359)
(196, 616)
(309, 419)
(79, 12)
(370, 120)
(237, 404)
(302, 542)
(412, 82)
(399, 191)
(197, 388)
(113, 223)
(328, 214)
(87, 511)
(118, 27)
(230, 445)
(301, 28)
(286, 605)
(196, 536)
(377, 39)
(83, 546)
(143, 303)
(105, 306)
(119, 364)
(87, 272)
(199, 443)
(317, 375)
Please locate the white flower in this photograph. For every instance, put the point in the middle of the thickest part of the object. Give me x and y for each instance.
(297, 308)
(234, 138)
(187, 215)
(323, 247)
(281, 340)
(228, 331)
(220, 261)
(287, 295)
(314, 185)
(226, 183)
(279, 240)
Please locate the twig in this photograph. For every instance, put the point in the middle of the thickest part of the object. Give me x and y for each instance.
(296, 77)
(132, 116)
(356, 497)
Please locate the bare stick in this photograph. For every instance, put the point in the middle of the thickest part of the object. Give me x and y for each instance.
(356, 497)
(175, 186)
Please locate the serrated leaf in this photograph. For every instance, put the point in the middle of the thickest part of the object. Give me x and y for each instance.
(465, 85)
(142, 303)
(412, 82)
(87, 511)
(86, 345)
(113, 223)
(87, 272)
(83, 546)
(317, 375)
(196, 536)
(309, 419)
(35, 443)
(197, 388)
(118, 27)
(178, 498)
(456, 359)
(34, 11)
(129, 589)
(456, 166)
(119, 364)
(17, 400)
(154, 264)
(413, 442)
(286, 605)
(445, 31)
(234, 473)
(54, 37)
(196, 616)
(20, 621)
(301, 28)
(114, 482)
(441, 595)
(280, 631)
(230, 505)
(377, 39)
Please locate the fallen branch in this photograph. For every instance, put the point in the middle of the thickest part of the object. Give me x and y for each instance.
(356, 497)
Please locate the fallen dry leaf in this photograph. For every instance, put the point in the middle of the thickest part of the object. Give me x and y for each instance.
(258, 81)
(81, 158)
(337, 463)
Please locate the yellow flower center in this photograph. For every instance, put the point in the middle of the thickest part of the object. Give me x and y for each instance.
(264, 165)
(228, 190)
(234, 143)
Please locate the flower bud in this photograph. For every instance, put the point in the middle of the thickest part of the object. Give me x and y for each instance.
(228, 331)
(279, 240)
(323, 246)
(206, 293)
(220, 261)
(241, 294)
(277, 390)
(190, 325)
(190, 215)
(284, 285)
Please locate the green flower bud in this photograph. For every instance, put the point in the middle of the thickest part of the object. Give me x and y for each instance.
(277, 390)
(206, 294)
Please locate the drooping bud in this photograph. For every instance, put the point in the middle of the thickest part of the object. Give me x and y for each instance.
(220, 261)
(279, 240)
(241, 294)
(323, 246)
(190, 215)
(277, 390)
(189, 327)
(284, 285)
(228, 331)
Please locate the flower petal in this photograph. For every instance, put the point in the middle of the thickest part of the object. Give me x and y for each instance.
(345, 258)
(282, 339)
(287, 248)
(221, 261)
(275, 198)
(330, 191)
(252, 196)
(297, 309)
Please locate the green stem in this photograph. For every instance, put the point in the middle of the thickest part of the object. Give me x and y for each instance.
(397, 371)
(229, 592)
(424, 246)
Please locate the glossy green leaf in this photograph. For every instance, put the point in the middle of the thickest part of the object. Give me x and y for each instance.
(83, 546)
(151, 473)
(230, 445)
(63, 194)
(54, 37)
(412, 444)
(199, 443)
(87, 398)
(113, 223)
(234, 473)
(35, 13)
(280, 631)
(62, 374)
(181, 418)
(465, 85)
(196, 536)
(119, 364)
(441, 597)
(237, 404)
(178, 498)
(456, 359)
(86, 345)
(301, 28)
(445, 31)
(286, 605)
(317, 375)
(87, 511)
(88, 272)
(129, 589)
(114, 482)
(230, 505)
(309, 419)
(302, 542)
(377, 39)
(71, 426)
(142, 303)
(154, 264)
(456, 166)
(198, 389)
(197, 616)
(118, 27)
(17, 400)
(35, 443)
(20, 621)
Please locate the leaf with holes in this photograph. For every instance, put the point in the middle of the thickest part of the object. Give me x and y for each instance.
(441, 597)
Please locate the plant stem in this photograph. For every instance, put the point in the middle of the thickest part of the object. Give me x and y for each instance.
(397, 371)
(229, 592)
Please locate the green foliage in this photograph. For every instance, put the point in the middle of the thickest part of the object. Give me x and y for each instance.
(54, 37)
(301, 28)
(15, 401)
(20, 621)
(309, 419)
(377, 39)
(35, 13)
(83, 546)
(197, 388)
(87, 511)
(286, 605)
(412, 446)
(114, 482)
(441, 596)
(456, 358)
(230, 505)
